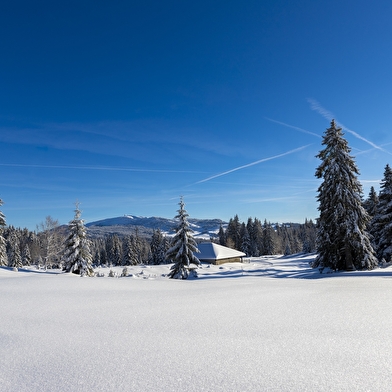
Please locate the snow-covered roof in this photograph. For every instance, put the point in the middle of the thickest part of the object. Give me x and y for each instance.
(212, 251)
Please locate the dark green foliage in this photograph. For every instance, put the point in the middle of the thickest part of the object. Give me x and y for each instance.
(370, 204)
(158, 248)
(3, 248)
(183, 245)
(342, 240)
(381, 224)
(78, 258)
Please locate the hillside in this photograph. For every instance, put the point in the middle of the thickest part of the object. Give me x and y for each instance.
(126, 225)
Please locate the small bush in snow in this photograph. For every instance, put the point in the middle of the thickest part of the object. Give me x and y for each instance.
(112, 274)
(125, 272)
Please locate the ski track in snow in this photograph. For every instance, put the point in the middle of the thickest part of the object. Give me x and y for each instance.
(271, 323)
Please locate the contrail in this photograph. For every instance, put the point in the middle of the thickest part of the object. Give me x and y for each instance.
(98, 168)
(252, 164)
(314, 105)
(292, 126)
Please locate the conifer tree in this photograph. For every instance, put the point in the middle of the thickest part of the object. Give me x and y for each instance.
(183, 245)
(14, 256)
(78, 258)
(3, 247)
(381, 224)
(245, 240)
(26, 256)
(157, 248)
(269, 239)
(370, 204)
(222, 236)
(257, 238)
(342, 240)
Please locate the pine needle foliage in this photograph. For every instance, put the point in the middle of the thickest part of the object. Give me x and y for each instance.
(78, 257)
(3, 246)
(381, 224)
(342, 240)
(182, 247)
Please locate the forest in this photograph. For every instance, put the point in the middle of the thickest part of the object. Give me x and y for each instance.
(46, 246)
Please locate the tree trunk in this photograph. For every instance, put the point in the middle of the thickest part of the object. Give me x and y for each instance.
(349, 259)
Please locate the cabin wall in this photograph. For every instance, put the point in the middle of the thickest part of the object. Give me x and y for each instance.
(229, 260)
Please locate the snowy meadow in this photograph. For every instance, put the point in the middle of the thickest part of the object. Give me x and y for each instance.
(271, 323)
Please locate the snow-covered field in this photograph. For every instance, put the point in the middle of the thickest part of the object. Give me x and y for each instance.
(272, 324)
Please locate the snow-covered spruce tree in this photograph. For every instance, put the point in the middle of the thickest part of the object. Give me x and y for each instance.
(157, 248)
(3, 247)
(370, 204)
(182, 247)
(26, 256)
(78, 258)
(342, 240)
(381, 224)
(14, 256)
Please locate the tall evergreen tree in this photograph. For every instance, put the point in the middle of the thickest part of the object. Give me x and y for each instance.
(3, 247)
(233, 233)
(26, 256)
(269, 239)
(257, 238)
(157, 248)
(183, 245)
(222, 236)
(370, 204)
(381, 224)
(245, 240)
(14, 256)
(78, 258)
(342, 240)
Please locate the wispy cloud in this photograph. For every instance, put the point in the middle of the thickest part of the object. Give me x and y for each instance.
(293, 127)
(253, 163)
(315, 105)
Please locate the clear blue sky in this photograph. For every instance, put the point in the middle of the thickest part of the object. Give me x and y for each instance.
(127, 105)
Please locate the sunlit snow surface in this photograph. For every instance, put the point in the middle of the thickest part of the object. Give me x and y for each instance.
(272, 324)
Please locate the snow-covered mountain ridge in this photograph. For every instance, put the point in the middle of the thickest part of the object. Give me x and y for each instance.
(125, 225)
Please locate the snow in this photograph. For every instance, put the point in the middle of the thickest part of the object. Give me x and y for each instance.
(268, 324)
(211, 251)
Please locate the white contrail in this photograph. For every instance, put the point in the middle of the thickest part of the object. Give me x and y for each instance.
(314, 105)
(98, 168)
(252, 164)
(293, 127)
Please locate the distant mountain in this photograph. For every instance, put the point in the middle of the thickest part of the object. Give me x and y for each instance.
(126, 225)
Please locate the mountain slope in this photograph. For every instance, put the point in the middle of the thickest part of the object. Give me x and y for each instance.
(126, 225)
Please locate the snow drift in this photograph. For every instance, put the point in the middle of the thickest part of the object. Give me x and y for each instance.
(271, 324)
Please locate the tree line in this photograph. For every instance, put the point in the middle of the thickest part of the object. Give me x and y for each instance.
(255, 238)
(46, 247)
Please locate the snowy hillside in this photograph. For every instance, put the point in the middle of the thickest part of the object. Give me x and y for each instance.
(125, 225)
(271, 324)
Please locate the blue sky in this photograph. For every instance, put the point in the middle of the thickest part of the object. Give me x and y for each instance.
(127, 105)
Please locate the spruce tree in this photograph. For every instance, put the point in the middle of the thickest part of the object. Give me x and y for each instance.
(157, 248)
(3, 247)
(78, 258)
(381, 224)
(342, 240)
(183, 245)
(14, 256)
(269, 239)
(245, 240)
(370, 204)
(26, 256)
